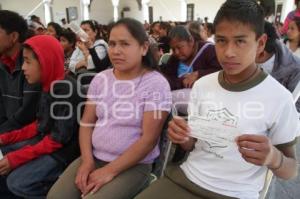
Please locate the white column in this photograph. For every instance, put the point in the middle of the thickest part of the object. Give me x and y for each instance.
(116, 11)
(288, 6)
(145, 7)
(85, 13)
(183, 10)
(47, 11)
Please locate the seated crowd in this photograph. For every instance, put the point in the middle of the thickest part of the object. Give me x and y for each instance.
(232, 78)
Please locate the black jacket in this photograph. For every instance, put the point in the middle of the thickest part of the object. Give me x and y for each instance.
(59, 114)
(18, 99)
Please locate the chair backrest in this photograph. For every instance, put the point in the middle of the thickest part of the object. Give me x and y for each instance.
(296, 92)
(164, 146)
(164, 58)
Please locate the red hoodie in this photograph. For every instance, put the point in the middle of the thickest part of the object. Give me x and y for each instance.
(51, 58)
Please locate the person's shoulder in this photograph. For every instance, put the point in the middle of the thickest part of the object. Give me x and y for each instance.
(104, 75)
(273, 87)
(208, 79)
(100, 42)
(155, 79)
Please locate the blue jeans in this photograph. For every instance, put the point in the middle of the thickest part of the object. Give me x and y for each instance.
(31, 180)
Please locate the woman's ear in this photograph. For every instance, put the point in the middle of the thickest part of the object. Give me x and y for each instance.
(145, 48)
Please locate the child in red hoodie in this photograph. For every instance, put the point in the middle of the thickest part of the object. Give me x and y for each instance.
(37, 154)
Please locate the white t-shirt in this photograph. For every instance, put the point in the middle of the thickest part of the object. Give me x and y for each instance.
(266, 108)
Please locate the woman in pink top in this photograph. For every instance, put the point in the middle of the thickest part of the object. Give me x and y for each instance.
(124, 115)
(290, 17)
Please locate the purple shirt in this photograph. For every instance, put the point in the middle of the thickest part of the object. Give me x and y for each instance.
(120, 108)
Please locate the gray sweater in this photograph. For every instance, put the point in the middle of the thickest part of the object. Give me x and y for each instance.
(286, 68)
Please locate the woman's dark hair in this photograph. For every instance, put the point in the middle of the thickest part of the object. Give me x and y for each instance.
(165, 26)
(195, 29)
(180, 32)
(70, 36)
(270, 31)
(210, 28)
(136, 29)
(152, 26)
(13, 22)
(58, 29)
(247, 12)
(94, 26)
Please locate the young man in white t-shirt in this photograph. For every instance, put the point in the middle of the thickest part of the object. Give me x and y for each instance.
(245, 121)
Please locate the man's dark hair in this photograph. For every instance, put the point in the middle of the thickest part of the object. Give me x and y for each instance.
(270, 31)
(13, 22)
(268, 6)
(245, 11)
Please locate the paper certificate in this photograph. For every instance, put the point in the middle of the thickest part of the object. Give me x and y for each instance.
(212, 131)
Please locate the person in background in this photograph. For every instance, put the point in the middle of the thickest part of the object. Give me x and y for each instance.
(197, 30)
(164, 40)
(191, 59)
(210, 32)
(18, 98)
(117, 145)
(290, 17)
(64, 23)
(293, 36)
(154, 30)
(278, 61)
(91, 54)
(37, 28)
(37, 19)
(54, 29)
(68, 42)
(36, 154)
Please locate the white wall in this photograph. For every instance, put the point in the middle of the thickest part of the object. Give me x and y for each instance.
(288, 5)
(59, 9)
(166, 9)
(102, 11)
(23, 7)
(134, 9)
(206, 8)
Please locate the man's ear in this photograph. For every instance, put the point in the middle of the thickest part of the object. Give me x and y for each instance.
(262, 40)
(15, 37)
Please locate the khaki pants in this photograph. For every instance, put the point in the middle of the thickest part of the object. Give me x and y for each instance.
(175, 185)
(125, 186)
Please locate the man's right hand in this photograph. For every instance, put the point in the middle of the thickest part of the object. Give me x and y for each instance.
(178, 131)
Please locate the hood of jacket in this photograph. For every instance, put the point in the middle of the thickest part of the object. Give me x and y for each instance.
(51, 58)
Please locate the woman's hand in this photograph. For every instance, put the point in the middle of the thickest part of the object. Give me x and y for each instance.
(190, 79)
(98, 178)
(82, 176)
